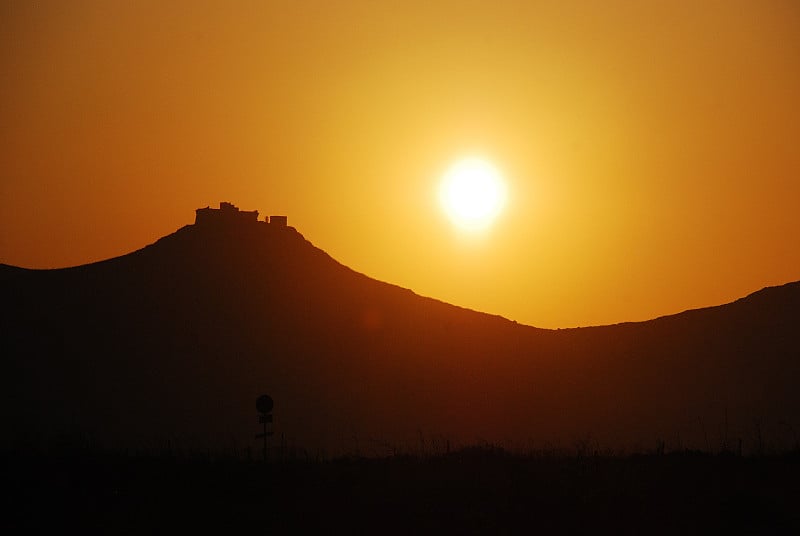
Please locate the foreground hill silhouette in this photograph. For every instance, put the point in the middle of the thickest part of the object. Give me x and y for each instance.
(173, 343)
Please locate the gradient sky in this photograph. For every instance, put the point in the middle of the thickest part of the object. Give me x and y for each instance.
(651, 149)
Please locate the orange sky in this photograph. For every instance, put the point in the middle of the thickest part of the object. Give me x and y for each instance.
(650, 148)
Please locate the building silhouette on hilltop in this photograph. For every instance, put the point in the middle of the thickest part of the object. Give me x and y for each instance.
(229, 214)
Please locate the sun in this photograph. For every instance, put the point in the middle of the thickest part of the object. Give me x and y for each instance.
(472, 193)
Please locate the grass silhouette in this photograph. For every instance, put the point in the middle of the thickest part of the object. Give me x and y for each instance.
(474, 489)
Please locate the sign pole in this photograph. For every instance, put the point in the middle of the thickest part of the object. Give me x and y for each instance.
(264, 422)
(264, 406)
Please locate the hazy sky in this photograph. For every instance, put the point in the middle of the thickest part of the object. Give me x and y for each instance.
(651, 149)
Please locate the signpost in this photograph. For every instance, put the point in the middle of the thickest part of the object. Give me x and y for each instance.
(264, 406)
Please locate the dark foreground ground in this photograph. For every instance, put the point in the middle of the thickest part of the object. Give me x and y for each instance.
(477, 490)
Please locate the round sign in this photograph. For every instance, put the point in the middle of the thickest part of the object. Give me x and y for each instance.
(264, 404)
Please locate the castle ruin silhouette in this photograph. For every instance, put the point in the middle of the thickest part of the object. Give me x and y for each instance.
(229, 214)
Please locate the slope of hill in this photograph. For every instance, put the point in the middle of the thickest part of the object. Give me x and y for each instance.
(174, 342)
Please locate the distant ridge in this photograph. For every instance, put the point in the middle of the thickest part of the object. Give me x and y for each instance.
(175, 341)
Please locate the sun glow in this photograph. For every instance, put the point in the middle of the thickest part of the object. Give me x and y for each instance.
(472, 193)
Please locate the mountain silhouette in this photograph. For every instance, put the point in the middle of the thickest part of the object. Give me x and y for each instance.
(174, 343)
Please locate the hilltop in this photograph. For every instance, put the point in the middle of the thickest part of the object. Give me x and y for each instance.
(175, 341)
